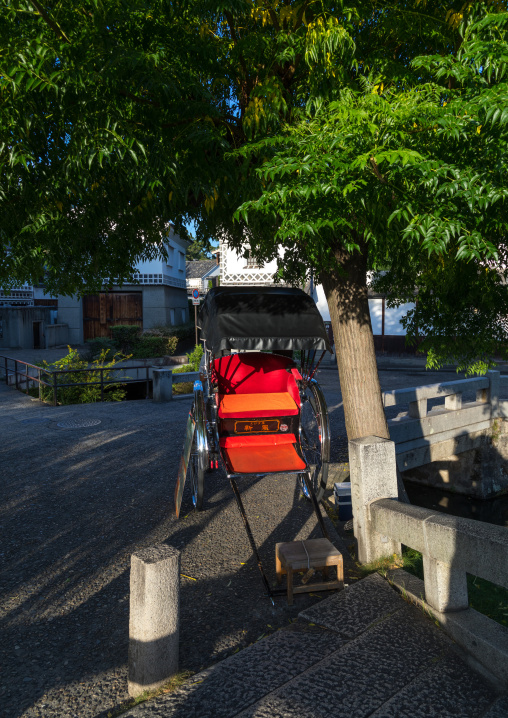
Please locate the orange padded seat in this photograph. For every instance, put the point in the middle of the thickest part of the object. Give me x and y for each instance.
(258, 459)
(243, 406)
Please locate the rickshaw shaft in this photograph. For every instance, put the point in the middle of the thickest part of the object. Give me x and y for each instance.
(315, 505)
(250, 536)
(277, 591)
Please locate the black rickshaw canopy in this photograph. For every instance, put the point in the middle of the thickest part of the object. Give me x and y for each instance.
(261, 319)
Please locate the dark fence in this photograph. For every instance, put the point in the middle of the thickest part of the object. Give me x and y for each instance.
(26, 375)
(395, 344)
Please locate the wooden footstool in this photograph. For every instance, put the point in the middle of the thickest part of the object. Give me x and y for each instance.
(317, 554)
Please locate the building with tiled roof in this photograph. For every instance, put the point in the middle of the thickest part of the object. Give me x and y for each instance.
(199, 272)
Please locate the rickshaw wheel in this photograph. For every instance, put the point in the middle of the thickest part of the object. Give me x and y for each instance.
(199, 452)
(315, 438)
(197, 477)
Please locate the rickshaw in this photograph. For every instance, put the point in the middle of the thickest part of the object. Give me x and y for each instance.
(257, 407)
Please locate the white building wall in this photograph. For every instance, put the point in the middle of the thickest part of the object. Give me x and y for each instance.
(234, 270)
(170, 272)
(237, 263)
(393, 326)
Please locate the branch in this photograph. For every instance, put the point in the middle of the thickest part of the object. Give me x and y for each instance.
(377, 172)
(232, 31)
(53, 25)
(301, 12)
(231, 24)
(141, 100)
(273, 17)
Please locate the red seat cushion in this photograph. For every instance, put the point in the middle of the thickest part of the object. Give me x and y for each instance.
(263, 459)
(228, 442)
(256, 373)
(243, 406)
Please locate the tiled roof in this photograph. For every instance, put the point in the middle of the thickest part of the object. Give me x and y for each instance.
(199, 267)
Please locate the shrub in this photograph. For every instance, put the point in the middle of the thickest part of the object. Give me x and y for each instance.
(160, 331)
(185, 387)
(95, 347)
(125, 336)
(182, 368)
(194, 358)
(89, 392)
(184, 331)
(152, 345)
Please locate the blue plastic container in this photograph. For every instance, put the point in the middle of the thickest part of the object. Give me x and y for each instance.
(342, 493)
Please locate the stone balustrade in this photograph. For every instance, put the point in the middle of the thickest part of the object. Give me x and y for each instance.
(163, 380)
(424, 435)
(451, 547)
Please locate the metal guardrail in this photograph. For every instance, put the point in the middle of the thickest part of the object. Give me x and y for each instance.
(22, 376)
(25, 374)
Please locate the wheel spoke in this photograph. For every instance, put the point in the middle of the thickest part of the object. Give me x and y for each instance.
(312, 435)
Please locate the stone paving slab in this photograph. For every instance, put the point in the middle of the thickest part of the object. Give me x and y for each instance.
(362, 675)
(499, 709)
(351, 612)
(395, 663)
(448, 689)
(243, 679)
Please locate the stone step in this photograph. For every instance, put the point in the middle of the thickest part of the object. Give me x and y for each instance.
(361, 652)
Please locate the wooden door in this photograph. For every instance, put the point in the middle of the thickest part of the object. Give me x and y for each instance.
(105, 310)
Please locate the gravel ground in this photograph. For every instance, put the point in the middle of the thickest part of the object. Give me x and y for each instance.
(78, 502)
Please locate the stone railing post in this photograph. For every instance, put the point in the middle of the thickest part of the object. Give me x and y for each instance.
(373, 476)
(445, 586)
(162, 384)
(154, 618)
(494, 378)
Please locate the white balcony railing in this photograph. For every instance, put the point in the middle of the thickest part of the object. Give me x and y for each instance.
(22, 296)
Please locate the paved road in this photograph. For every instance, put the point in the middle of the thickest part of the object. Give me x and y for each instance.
(76, 502)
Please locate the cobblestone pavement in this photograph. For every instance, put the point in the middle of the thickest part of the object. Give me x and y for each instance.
(76, 502)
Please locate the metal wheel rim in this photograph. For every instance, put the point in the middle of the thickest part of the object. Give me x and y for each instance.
(316, 447)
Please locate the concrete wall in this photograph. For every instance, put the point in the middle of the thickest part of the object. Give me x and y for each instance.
(480, 471)
(16, 326)
(161, 305)
(57, 335)
(164, 305)
(70, 312)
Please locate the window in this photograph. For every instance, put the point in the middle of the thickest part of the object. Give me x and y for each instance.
(252, 262)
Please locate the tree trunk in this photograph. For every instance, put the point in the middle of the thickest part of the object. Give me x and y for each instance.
(346, 294)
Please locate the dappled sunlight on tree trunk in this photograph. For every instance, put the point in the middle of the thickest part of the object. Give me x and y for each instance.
(346, 294)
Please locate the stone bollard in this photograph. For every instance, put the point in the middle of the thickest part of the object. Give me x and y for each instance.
(154, 618)
(162, 384)
(373, 476)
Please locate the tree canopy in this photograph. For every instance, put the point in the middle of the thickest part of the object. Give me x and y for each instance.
(118, 116)
(100, 101)
(411, 173)
(362, 136)
(198, 249)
